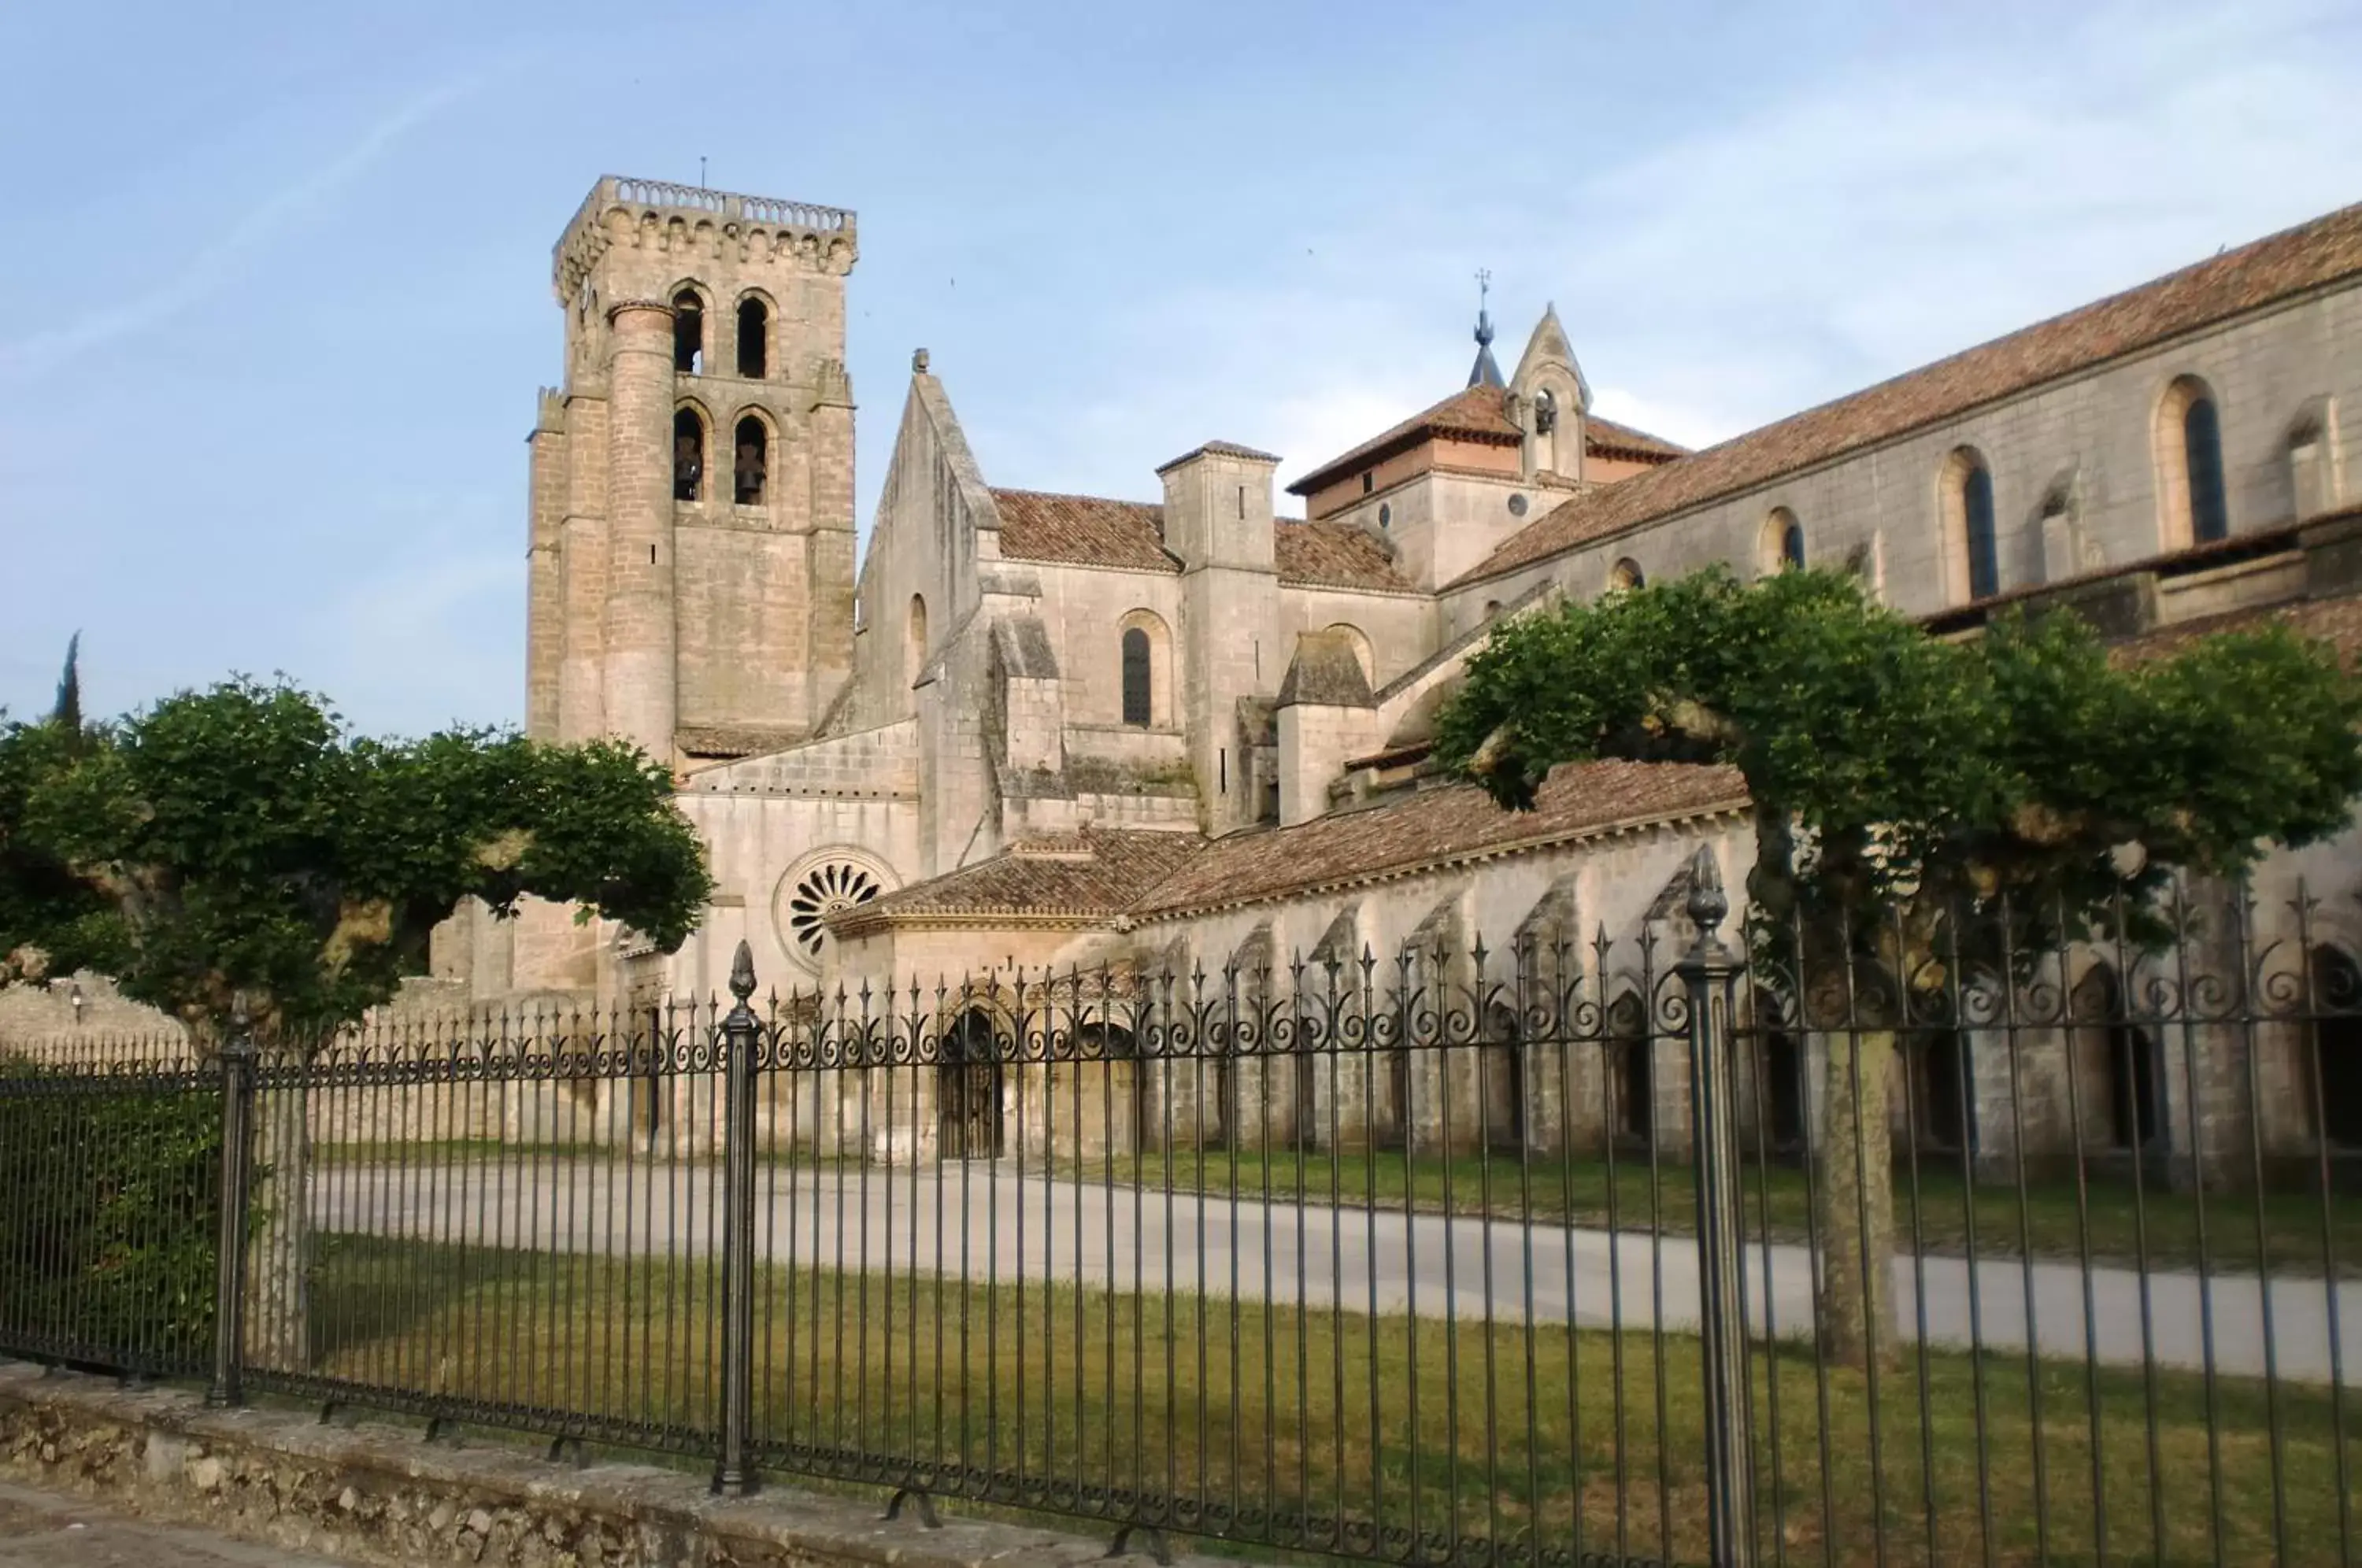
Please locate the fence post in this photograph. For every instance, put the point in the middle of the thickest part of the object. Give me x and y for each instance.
(228, 1384)
(742, 1035)
(1706, 972)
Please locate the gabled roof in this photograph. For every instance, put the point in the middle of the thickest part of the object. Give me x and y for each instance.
(1431, 826)
(2276, 268)
(1220, 449)
(1334, 555)
(1089, 530)
(1473, 413)
(1479, 414)
(1074, 877)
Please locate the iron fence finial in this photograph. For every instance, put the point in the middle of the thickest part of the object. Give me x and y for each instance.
(1708, 905)
(742, 972)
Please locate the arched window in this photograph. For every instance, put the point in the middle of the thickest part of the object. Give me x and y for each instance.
(1972, 546)
(1139, 689)
(754, 339)
(1625, 576)
(688, 332)
(1143, 669)
(917, 634)
(753, 462)
(687, 455)
(1781, 546)
(1977, 513)
(2201, 448)
(2192, 506)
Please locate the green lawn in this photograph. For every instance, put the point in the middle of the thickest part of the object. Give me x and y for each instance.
(1567, 1437)
(2107, 1227)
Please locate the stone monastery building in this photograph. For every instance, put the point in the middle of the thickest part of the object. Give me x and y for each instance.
(1191, 725)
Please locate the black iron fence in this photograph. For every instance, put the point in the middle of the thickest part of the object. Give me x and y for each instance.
(1999, 1249)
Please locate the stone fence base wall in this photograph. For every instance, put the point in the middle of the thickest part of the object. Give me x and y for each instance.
(381, 1494)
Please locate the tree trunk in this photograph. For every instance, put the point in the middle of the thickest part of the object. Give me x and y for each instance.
(1853, 1201)
(278, 1250)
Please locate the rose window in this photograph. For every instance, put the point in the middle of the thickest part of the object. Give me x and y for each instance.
(823, 891)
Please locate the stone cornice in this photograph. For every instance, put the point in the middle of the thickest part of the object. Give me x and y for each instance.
(689, 218)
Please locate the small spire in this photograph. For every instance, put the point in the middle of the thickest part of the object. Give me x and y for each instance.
(1484, 372)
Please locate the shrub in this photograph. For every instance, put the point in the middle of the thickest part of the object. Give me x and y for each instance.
(109, 1216)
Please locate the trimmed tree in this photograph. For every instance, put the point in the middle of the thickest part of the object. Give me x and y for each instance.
(240, 840)
(1895, 778)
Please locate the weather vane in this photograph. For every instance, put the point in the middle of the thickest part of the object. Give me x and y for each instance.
(1484, 285)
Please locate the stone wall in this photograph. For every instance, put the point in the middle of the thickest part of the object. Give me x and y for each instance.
(2092, 437)
(40, 1022)
(378, 1495)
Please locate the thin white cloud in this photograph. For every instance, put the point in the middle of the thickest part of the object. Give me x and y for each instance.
(217, 263)
(1834, 230)
(434, 637)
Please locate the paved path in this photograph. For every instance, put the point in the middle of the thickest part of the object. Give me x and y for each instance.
(984, 1222)
(44, 1530)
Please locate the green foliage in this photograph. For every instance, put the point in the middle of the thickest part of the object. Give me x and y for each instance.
(109, 1213)
(240, 839)
(1887, 765)
(66, 712)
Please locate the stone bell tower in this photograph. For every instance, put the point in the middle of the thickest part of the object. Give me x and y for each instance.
(691, 576)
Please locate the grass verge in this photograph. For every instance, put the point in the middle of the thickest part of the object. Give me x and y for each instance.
(1275, 1415)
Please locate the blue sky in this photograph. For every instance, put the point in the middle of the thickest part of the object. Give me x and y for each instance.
(279, 273)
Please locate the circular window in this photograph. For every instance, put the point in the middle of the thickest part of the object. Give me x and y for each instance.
(823, 883)
(1516, 506)
(1385, 514)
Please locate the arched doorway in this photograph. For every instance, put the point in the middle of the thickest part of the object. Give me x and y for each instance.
(2119, 1065)
(1393, 1131)
(1501, 1083)
(1779, 1078)
(1630, 1068)
(1942, 1112)
(1108, 1113)
(2338, 1048)
(968, 1089)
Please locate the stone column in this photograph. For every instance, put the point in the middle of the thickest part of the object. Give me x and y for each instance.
(545, 636)
(641, 694)
(582, 554)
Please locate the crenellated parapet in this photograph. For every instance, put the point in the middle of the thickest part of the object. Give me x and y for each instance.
(690, 221)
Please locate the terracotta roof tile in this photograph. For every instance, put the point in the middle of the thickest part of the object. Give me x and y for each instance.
(1474, 413)
(1077, 877)
(1605, 436)
(1333, 555)
(1479, 414)
(1089, 530)
(1437, 824)
(1085, 529)
(2337, 622)
(1218, 449)
(2274, 268)
(735, 740)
